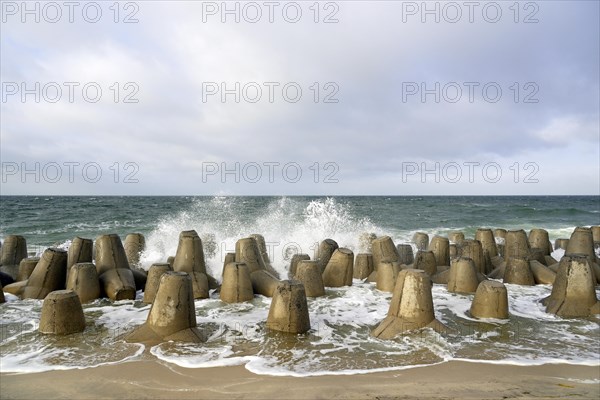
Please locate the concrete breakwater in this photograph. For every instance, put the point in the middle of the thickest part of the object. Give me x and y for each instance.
(67, 279)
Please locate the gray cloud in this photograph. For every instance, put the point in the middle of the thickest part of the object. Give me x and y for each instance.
(371, 133)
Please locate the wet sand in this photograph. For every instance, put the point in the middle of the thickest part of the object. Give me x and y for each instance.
(152, 379)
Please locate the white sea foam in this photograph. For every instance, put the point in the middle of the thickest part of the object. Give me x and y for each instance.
(288, 226)
(262, 366)
(558, 254)
(45, 359)
(9, 298)
(584, 381)
(188, 356)
(339, 342)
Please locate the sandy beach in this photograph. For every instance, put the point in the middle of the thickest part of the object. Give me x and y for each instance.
(151, 379)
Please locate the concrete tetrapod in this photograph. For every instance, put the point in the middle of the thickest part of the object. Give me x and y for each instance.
(442, 277)
(26, 267)
(554, 267)
(488, 245)
(190, 258)
(573, 293)
(581, 242)
(456, 237)
(13, 250)
(539, 239)
(490, 301)
(289, 309)
(190, 254)
(463, 276)
(229, 258)
(262, 247)
(118, 284)
(518, 272)
(110, 253)
(309, 274)
(83, 281)
(596, 270)
(363, 266)
(15, 288)
(499, 267)
(263, 282)
(113, 268)
(453, 251)
(326, 249)
(411, 306)
(134, 245)
(425, 261)
(200, 285)
(421, 240)
(550, 261)
(49, 274)
(537, 254)
(497, 261)
(387, 274)
(62, 313)
(372, 278)
(383, 248)
(172, 315)
(473, 250)
(339, 269)
(248, 252)
(440, 246)
(80, 251)
(516, 244)
(296, 258)
(596, 236)
(541, 273)
(155, 272)
(405, 254)
(237, 285)
(488, 241)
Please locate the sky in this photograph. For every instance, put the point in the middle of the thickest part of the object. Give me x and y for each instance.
(300, 98)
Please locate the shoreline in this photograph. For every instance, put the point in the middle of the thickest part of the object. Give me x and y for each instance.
(154, 379)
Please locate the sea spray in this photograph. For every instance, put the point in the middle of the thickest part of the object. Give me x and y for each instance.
(290, 226)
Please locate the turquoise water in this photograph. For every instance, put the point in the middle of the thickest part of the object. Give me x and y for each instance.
(339, 341)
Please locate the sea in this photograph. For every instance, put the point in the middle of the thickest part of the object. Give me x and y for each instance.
(339, 342)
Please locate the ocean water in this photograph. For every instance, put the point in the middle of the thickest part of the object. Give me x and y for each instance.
(339, 341)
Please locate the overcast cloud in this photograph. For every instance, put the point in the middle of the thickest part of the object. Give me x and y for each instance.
(541, 136)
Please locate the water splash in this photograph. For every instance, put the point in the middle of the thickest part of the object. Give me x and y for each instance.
(289, 226)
